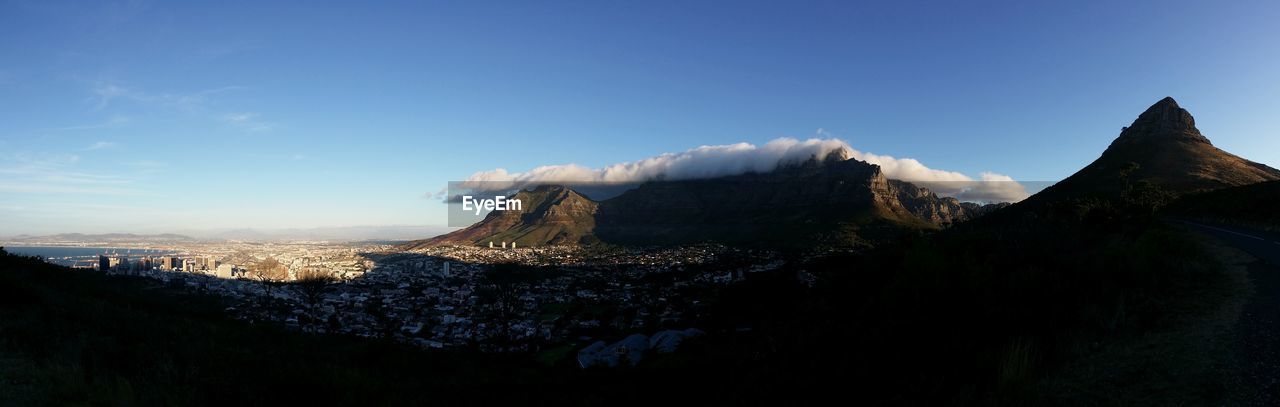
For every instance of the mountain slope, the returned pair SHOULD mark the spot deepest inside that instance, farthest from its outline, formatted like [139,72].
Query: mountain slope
[831,201]
[1252,205]
[1164,148]
[552,215]
[834,201]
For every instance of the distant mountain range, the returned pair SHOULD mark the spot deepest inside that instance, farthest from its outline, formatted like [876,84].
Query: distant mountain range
[825,201]
[839,201]
[334,233]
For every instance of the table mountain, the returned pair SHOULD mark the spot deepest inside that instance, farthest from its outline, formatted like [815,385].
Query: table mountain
[832,201]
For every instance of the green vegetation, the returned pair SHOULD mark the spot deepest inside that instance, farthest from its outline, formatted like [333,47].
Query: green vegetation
[1250,206]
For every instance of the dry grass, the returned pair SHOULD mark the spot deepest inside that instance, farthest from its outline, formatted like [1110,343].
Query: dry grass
[1188,363]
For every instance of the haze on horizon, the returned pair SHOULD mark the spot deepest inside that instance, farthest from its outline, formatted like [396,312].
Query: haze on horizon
[156,117]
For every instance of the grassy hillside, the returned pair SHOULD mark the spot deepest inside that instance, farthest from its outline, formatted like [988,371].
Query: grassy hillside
[1003,311]
[1256,206]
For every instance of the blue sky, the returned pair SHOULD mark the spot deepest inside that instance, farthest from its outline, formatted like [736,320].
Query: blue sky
[151,116]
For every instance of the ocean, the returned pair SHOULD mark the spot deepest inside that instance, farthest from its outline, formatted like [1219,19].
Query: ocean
[72,256]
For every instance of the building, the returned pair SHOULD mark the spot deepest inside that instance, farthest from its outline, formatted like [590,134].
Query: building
[170,263]
[104,263]
[229,271]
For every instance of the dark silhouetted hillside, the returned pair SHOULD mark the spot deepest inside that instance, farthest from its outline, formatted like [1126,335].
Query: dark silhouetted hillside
[1256,206]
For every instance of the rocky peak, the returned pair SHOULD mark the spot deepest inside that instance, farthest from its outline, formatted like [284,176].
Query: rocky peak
[833,157]
[1163,121]
[1162,147]
[840,154]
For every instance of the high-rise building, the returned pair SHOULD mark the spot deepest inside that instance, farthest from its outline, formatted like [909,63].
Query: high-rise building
[104,263]
[227,270]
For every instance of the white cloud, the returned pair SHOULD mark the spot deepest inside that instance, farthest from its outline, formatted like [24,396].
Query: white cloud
[989,187]
[247,120]
[441,194]
[994,187]
[740,158]
[111,122]
[57,174]
[201,103]
[239,117]
[101,145]
[103,94]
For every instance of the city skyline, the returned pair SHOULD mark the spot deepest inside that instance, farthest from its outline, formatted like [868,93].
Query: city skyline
[132,117]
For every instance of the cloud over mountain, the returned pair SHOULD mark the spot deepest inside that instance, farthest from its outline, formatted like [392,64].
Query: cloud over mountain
[740,158]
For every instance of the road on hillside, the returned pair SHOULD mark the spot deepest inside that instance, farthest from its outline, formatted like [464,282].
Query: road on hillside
[1263,245]
[1258,330]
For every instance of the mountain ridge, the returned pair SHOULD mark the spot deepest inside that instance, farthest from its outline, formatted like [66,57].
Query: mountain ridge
[830,200]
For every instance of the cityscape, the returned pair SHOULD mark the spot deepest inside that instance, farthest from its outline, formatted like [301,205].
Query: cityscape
[439,297]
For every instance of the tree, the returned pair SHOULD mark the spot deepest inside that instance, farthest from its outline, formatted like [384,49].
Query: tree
[312,283]
[380,310]
[1145,198]
[501,287]
[270,272]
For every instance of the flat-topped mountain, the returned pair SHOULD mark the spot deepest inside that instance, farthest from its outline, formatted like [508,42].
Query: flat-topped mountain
[832,201]
[839,201]
[1162,147]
